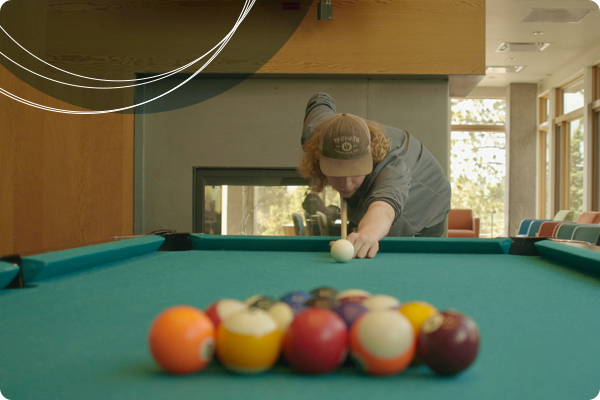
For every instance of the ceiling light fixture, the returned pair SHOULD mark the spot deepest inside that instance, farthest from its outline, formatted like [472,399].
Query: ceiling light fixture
[504,69]
[528,47]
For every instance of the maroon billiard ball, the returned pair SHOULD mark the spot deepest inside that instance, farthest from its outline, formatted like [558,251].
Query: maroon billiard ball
[316,342]
[448,342]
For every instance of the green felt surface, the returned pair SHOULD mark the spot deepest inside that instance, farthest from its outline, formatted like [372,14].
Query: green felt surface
[83,334]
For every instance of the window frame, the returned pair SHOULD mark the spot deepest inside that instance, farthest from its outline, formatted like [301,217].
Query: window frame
[543,129]
[595,137]
[562,124]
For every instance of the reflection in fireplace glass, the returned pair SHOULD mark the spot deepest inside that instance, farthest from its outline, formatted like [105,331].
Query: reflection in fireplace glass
[262,210]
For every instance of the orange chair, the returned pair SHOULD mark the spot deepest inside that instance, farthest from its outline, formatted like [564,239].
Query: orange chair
[549,228]
[462,224]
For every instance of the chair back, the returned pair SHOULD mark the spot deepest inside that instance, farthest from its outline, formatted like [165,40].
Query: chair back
[565,231]
[564,215]
[589,217]
[588,233]
[322,221]
[460,219]
[298,224]
[309,225]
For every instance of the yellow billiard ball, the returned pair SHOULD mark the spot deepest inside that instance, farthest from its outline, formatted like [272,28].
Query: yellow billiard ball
[249,341]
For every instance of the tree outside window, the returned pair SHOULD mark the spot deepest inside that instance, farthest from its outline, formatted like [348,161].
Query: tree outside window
[478,161]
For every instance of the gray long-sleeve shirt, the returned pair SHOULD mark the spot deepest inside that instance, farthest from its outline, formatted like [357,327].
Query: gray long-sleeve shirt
[409,178]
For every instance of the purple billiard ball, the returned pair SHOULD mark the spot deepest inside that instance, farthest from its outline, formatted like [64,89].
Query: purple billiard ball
[448,342]
[350,311]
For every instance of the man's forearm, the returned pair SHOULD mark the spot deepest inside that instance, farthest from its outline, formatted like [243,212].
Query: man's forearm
[377,221]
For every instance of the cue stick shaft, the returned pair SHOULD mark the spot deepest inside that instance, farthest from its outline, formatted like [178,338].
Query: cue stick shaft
[344,217]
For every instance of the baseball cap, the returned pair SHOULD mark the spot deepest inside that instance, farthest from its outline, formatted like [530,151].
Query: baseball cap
[345,144]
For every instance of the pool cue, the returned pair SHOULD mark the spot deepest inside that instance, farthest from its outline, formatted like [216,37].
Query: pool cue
[344,217]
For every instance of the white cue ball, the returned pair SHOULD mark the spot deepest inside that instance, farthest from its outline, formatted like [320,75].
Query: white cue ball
[342,250]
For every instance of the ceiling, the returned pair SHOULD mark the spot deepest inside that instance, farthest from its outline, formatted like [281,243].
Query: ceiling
[504,23]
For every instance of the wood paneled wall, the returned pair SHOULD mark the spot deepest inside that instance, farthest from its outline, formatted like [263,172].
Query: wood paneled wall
[64,179]
[68,179]
[443,37]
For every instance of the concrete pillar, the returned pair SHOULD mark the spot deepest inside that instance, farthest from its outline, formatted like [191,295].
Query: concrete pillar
[521,153]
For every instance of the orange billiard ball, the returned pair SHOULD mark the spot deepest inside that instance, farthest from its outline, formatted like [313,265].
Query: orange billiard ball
[182,340]
[382,342]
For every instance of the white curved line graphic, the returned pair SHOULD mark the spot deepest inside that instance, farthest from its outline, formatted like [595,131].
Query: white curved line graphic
[246,9]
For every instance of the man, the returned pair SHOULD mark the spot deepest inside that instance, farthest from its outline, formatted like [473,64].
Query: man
[392,184]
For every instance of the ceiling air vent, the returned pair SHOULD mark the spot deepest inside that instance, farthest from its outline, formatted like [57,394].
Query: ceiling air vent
[556,15]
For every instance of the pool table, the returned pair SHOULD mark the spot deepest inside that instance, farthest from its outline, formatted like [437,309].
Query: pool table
[77,329]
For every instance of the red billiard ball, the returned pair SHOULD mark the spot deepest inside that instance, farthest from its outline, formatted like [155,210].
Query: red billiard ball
[448,342]
[316,342]
[382,342]
[182,340]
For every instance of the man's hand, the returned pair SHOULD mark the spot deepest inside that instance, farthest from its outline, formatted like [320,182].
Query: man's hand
[364,246]
[374,226]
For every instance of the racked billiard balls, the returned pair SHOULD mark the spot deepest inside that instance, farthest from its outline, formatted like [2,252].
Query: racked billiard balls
[263,303]
[297,297]
[350,311]
[322,302]
[448,342]
[381,302]
[324,291]
[352,295]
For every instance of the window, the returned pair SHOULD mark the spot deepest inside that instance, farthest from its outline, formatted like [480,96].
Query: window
[478,161]
[572,96]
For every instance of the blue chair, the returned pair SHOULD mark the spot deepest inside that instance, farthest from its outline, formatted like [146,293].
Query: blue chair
[524,227]
[534,227]
[530,227]
[587,233]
